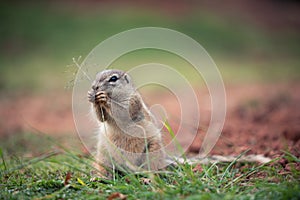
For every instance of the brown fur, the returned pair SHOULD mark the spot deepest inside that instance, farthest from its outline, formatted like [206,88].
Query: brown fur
[128,138]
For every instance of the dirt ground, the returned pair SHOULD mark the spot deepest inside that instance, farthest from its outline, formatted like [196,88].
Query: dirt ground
[264,118]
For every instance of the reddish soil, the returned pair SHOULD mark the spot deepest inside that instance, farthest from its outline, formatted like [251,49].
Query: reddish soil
[262,118]
[51,114]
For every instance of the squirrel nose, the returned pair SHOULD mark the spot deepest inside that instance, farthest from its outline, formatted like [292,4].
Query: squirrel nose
[95,87]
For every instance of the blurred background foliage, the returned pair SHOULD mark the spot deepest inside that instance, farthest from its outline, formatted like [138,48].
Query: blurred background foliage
[249,40]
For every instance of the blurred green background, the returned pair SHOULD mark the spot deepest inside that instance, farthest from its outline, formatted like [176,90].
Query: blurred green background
[250,41]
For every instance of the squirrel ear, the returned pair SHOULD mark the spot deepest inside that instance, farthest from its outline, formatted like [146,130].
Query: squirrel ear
[126,78]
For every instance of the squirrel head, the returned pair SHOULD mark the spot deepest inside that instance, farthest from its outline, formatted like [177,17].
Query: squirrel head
[113,82]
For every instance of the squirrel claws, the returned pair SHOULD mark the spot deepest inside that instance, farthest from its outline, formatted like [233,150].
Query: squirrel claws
[101,97]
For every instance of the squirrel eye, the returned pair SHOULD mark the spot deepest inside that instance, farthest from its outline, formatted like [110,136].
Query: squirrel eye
[113,79]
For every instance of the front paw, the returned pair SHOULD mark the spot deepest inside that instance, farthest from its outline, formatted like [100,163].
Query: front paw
[101,98]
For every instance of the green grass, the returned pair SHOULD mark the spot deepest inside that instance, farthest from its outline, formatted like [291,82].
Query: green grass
[63,174]
[44,178]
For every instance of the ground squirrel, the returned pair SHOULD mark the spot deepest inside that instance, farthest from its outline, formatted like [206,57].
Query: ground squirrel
[128,138]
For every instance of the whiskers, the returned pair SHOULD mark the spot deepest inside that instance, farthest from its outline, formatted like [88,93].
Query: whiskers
[123,103]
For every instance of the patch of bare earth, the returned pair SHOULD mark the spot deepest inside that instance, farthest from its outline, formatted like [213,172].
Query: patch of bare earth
[49,113]
[264,119]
